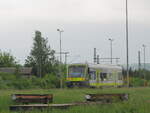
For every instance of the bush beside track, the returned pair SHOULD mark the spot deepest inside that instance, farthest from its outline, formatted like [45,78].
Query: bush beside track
[11,81]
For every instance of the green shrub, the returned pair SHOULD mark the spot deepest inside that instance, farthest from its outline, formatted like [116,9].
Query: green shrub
[8,81]
[137,82]
[50,81]
[3,85]
[23,83]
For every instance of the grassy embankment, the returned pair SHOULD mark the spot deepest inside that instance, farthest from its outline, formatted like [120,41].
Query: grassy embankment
[139,101]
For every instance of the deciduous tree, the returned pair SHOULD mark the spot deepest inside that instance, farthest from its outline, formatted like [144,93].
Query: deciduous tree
[41,57]
[7,60]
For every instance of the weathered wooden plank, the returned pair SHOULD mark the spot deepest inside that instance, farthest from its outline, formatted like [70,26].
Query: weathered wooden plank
[51,106]
[106,97]
[32,98]
[39,106]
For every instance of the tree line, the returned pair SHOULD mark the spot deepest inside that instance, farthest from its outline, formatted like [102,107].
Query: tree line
[45,67]
[41,58]
[138,77]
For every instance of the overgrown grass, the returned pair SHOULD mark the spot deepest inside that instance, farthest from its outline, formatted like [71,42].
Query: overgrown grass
[139,100]
[12,81]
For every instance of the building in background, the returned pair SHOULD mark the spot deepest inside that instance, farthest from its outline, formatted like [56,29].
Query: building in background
[23,71]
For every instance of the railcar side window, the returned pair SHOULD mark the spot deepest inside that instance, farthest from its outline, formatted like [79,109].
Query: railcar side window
[119,76]
[92,75]
[110,76]
[103,76]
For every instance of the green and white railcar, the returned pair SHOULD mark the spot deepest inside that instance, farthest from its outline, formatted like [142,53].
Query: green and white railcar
[94,75]
[105,75]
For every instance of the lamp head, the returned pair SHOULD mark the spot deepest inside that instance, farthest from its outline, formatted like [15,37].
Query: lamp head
[111,39]
[60,30]
[144,45]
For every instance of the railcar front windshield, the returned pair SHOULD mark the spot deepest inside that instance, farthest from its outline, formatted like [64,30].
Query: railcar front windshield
[76,71]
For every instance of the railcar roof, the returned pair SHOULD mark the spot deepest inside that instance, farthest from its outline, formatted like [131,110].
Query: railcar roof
[77,64]
[106,66]
[98,66]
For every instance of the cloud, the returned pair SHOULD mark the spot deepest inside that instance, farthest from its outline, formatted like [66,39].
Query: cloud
[73,10]
[87,24]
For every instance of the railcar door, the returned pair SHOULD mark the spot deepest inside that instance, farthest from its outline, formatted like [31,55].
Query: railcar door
[103,79]
[94,79]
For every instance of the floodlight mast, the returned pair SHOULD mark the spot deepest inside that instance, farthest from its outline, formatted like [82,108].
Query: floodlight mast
[111,40]
[127,45]
[61,82]
[144,46]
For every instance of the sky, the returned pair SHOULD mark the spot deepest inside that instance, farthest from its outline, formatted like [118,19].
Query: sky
[87,24]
